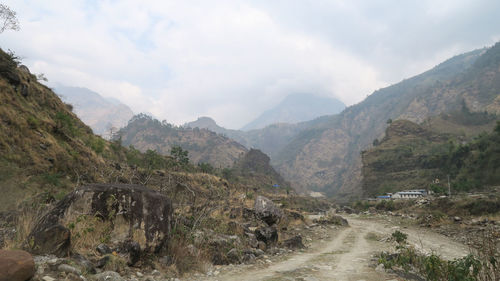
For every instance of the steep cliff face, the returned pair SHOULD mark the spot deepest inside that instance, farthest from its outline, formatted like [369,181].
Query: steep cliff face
[326,156]
[204,146]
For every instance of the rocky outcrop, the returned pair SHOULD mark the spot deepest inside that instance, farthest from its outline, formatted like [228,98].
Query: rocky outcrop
[135,211]
[16,266]
[267,234]
[267,211]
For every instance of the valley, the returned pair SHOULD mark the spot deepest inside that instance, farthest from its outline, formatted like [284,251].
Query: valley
[399,184]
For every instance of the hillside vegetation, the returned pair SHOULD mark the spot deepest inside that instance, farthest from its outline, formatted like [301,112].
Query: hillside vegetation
[144,132]
[413,156]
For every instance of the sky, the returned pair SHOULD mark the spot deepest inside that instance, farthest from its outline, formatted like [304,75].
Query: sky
[232,60]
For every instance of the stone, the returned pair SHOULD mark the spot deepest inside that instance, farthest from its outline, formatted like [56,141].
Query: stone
[268,234]
[103,261]
[68,269]
[48,278]
[108,276]
[124,205]
[294,242]
[53,239]
[380,268]
[247,258]
[267,211]
[87,266]
[132,249]
[16,265]
[234,256]
[103,249]
[74,277]
[261,246]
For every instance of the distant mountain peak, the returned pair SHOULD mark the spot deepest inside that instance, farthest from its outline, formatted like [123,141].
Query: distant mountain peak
[295,108]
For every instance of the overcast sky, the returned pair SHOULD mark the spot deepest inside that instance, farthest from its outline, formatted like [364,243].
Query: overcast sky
[232,60]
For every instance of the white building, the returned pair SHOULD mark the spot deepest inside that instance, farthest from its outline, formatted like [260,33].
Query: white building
[410,194]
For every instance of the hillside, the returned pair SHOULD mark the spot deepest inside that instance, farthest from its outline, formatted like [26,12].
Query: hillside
[413,156]
[254,170]
[44,147]
[101,114]
[270,139]
[296,108]
[326,156]
[204,146]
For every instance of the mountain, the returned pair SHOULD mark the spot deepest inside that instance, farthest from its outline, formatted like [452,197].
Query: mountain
[413,156]
[100,113]
[326,156]
[270,139]
[254,170]
[204,146]
[297,108]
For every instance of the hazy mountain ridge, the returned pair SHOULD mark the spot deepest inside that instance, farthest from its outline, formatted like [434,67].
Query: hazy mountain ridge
[270,139]
[98,112]
[296,108]
[204,146]
[326,156]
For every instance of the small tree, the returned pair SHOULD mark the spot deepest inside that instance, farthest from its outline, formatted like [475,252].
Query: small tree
[180,155]
[8,19]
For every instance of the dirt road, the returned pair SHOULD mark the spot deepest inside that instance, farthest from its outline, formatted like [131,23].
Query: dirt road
[346,256]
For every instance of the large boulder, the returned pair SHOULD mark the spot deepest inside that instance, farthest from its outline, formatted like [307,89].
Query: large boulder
[136,213]
[16,266]
[267,211]
[267,234]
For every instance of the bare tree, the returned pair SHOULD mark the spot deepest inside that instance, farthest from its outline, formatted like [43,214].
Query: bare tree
[8,19]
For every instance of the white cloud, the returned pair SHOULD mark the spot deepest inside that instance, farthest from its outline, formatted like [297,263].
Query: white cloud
[233,59]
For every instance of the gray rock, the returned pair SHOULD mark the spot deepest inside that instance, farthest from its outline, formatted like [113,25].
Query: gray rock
[234,256]
[86,265]
[103,249]
[294,242]
[108,276]
[48,278]
[267,211]
[68,269]
[51,239]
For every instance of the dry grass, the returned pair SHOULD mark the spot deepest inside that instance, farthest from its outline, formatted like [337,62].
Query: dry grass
[87,232]
[24,223]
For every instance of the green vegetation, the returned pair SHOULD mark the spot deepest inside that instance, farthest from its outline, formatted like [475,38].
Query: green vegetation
[180,155]
[483,266]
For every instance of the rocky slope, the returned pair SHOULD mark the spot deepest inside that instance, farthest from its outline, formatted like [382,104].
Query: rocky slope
[100,113]
[326,156]
[204,146]
[296,108]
